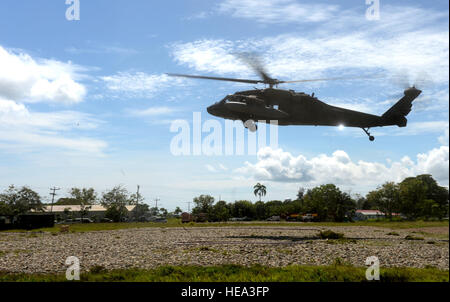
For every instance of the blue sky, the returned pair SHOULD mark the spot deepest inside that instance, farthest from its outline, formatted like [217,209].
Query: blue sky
[86,103]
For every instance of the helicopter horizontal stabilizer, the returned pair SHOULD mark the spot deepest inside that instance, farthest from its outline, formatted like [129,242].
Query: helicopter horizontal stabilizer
[402,108]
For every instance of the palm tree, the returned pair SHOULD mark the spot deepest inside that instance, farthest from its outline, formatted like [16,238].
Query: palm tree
[260,190]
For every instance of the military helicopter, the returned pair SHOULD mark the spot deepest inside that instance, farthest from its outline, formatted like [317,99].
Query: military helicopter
[288,107]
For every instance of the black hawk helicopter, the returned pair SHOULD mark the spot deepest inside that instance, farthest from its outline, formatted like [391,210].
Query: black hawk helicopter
[298,108]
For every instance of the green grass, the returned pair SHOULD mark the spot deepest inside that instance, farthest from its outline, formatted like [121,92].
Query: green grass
[87,227]
[234,273]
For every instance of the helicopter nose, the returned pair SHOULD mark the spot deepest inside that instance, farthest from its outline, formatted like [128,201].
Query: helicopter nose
[212,109]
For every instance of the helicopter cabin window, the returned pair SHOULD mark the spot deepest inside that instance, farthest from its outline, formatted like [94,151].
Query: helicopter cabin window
[275,107]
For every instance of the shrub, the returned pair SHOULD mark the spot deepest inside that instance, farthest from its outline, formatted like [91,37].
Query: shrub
[410,237]
[328,234]
[97,269]
[393,234]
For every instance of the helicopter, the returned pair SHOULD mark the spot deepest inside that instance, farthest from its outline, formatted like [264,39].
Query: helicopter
[288,107]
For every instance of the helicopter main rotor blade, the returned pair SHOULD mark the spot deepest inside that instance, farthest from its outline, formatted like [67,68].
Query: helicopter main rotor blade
[214,78]
[253,61]
[333,79]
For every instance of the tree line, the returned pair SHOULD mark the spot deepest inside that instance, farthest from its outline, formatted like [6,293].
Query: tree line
[417,197]
[15,201]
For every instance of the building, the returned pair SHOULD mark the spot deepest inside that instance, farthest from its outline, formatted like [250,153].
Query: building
[96,212]
[370,214]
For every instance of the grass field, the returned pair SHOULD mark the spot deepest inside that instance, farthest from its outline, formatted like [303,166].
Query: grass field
[87,227]
[234,273]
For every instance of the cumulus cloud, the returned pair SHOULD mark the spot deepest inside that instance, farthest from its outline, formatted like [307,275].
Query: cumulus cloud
[443,139]
[280,166]
[25,79]
[152,111]
[291,55]
[20,127]
[277,11]
[138,84]
[405,41]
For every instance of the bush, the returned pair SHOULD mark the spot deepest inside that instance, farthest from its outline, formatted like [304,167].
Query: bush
[328,234]
[393,234]
[410,237]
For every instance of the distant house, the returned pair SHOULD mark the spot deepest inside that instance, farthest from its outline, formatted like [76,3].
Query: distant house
[370,214]
[96,212]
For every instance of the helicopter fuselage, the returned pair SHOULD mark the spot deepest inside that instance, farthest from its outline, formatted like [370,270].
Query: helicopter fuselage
[288,107]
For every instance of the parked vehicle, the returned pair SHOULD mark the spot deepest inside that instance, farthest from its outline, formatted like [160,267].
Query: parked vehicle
[274,218]
[83,220]
[157,219]
[309,217]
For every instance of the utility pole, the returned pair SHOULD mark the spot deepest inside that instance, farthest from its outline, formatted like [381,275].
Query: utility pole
[189,206]
[137,195]
[54,189]
[156,202]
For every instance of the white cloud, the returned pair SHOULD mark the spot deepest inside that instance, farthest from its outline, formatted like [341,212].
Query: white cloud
[210,168]
[406,40]
[278,165]
[277,11]
[21,128]
[102,50]
[152,111]
[223,167]
[25,79]
[443,139]
[139,84]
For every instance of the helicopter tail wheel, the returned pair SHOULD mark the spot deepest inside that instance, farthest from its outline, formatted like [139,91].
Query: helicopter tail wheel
[371,137]
[251,125]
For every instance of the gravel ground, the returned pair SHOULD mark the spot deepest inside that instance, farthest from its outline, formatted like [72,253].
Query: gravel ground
[273,246]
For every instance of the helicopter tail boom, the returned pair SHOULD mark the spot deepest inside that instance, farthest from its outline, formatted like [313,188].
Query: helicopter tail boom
[398,112]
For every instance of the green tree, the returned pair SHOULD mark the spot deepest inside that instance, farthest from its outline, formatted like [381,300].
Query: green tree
[260,210]
[177,211]
[85,198]
[422,197]
[386,198]
[14,201]
[243,208]
[65,201]
[329,203]
[259,190]
[203,204]
[163,212]
[412,196]
[115,202]
[220,211]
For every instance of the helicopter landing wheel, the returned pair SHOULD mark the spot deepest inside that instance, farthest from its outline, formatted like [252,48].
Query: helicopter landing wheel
[251,125]
[371,137]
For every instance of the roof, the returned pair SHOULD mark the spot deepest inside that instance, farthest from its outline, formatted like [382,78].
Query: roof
[77,208]
[369,212]
[374,212]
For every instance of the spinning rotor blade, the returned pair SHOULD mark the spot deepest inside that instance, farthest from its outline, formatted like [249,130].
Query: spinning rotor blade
[254,63]
[329,79]
[214,78]
[406,79]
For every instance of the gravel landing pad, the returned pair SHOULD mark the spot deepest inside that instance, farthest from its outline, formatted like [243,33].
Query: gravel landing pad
[272,246]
